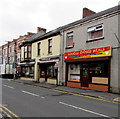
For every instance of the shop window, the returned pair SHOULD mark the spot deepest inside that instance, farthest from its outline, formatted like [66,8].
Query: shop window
[27,52]
[42,74]
[99,70]
[49,72]
[52,71]
[50,46]
[95,32]
[74,72]
[69,39]
[28,71]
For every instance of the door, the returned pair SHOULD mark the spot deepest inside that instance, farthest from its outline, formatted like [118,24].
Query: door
[43,73]
[84,75]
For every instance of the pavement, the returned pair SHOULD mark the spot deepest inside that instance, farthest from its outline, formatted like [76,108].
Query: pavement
[91,93]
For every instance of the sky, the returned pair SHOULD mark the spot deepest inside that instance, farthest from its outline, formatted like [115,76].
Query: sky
[17,17]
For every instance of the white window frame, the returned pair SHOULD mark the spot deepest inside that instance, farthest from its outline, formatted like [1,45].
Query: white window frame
[69,34]
[94,28]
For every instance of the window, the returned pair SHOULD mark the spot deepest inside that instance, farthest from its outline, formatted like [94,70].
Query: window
[39,48]
[74,72]
[52,72]
[27,52]
[50,46]
[28,71]
[95,32]
[18,45]
[0,60]
[69,39]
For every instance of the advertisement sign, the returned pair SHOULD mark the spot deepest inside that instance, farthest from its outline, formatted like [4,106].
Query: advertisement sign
[88,53]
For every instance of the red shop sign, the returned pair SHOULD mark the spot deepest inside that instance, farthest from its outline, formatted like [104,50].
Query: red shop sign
[88,53]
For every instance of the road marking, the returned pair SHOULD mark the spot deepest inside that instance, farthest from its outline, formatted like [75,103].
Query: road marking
[6,111]
[1,116]
[76,94]
[85,110]
[9,86]
[30,93]
[9,79]
[43,97]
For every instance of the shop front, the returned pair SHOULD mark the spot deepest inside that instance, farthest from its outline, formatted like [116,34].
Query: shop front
[49,70]
[88,69]
[27,70]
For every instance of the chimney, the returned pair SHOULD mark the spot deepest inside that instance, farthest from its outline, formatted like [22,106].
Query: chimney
[30,33]
[87,12]
[39,29]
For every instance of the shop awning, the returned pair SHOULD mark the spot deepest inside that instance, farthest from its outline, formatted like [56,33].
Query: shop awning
[49,61]
[27,63]
[49,58]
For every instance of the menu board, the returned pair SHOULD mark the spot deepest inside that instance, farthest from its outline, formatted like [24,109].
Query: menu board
[100,80]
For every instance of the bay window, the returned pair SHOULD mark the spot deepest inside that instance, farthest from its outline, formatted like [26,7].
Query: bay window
[27,52]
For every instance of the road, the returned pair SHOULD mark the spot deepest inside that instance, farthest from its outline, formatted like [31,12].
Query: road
[30,101]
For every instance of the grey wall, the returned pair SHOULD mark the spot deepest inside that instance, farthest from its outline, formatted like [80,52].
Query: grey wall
[80,37]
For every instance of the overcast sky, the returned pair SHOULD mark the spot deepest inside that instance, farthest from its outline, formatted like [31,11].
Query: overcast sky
[21,16]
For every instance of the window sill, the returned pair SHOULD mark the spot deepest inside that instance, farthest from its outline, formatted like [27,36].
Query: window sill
[77,81]
[69,47]
[27,58]
[95,39]
[49,53]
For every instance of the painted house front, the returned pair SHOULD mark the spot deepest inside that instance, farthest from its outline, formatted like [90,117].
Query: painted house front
[46,53]
[91,52]
[43,63]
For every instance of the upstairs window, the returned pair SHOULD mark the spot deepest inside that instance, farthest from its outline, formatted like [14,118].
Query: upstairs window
[39,45]
[50,46]
[27,52]
[95,32]
[69,39]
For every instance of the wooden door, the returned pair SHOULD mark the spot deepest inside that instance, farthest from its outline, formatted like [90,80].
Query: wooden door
[84,75]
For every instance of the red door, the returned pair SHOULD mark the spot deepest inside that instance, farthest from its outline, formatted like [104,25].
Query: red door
[84,75]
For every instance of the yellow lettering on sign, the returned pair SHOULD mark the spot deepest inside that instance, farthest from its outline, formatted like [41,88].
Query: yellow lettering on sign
[85,51]
[73,53]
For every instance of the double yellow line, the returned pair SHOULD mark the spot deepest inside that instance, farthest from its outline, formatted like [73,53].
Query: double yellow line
[72,93]
[8,113]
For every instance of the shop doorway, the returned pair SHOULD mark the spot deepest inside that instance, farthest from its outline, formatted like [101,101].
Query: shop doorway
[43,73]
[84,75]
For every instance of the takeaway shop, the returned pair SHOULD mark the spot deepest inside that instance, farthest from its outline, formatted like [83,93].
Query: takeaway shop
[89,68]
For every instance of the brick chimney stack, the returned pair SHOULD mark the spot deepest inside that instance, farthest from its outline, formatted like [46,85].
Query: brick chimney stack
[39,29]
[87,12]
[30,33]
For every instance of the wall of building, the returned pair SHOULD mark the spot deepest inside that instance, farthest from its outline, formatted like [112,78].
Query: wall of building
[44,47]
[80,37]
[44,52]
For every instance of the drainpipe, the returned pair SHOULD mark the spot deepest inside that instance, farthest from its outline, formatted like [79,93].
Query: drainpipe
[62,57]
[117,37]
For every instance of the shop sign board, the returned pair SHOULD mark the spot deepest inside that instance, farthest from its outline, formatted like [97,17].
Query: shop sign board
[88,53]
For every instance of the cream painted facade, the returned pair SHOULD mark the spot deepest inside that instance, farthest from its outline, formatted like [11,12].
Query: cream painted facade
[44,48]
[44,54]
[44,43]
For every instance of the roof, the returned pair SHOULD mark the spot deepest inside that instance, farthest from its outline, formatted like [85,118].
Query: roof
[38,37]
[99,14]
